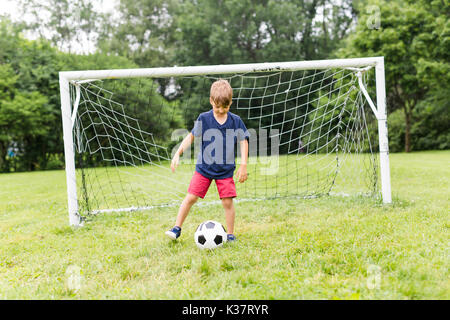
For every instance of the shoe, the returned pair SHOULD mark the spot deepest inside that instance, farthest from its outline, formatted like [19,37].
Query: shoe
[231,237]
[174,233]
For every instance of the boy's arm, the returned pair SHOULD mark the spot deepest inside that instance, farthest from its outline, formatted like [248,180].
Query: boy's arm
[242,171]
[183,146]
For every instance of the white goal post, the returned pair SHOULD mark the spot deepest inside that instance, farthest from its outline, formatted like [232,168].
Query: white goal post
[69,104]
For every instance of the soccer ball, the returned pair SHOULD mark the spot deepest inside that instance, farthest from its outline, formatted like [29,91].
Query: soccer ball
[210,235]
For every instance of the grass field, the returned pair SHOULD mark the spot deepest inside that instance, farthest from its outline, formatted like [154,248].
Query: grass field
[323,248]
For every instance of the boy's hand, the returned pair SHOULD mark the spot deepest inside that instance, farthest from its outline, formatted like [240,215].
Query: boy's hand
[175,162]
[242,173]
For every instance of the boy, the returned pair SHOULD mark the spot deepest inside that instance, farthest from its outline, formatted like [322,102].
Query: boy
[219,130]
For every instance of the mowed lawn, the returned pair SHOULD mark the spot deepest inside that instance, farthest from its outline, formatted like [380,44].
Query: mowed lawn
[323,248]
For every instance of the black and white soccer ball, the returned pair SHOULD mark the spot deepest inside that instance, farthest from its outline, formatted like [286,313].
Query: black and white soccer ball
[210,235]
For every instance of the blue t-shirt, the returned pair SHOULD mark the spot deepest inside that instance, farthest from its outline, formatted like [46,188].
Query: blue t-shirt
[216,160]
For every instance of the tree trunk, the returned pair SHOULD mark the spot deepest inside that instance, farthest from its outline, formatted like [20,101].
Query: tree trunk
[408,120]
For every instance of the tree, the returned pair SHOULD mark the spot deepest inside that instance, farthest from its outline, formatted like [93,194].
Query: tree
[142,32]
[194,32]
[24,118]
[413,38]
[212,32]
[68,24]
[237,31]
[30,109]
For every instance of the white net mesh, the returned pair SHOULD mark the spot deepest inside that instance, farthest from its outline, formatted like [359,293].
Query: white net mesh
[311,135]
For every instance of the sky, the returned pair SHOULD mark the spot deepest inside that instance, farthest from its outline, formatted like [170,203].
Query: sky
[8,7]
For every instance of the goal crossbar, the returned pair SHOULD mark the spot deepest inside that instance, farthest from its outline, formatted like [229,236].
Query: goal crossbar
[219,69]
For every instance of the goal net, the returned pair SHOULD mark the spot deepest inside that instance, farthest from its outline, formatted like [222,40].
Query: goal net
[314,131]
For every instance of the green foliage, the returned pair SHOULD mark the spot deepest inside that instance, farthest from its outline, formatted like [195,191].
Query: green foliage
[25,117]
[413,36]
[136,108]
[396,124]
[70,25]
[144,33]
[30,111]
[431,131]
[232,31]
[160,33]
[35,67]
[414,39]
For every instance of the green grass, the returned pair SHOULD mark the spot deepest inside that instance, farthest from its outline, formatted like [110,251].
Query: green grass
[323,248]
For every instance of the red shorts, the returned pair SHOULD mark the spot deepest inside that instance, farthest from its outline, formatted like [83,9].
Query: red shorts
[199,186]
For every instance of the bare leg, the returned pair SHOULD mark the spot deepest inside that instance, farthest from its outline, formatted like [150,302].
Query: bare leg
[230,213]
[185,207]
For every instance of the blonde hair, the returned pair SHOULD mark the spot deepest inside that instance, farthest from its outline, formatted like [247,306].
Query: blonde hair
[221,93]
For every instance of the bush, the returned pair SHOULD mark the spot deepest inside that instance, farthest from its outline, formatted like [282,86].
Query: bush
[396,131]
[431,130]
[55,162]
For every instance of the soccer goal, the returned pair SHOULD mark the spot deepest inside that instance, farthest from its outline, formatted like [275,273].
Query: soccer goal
[316,128]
